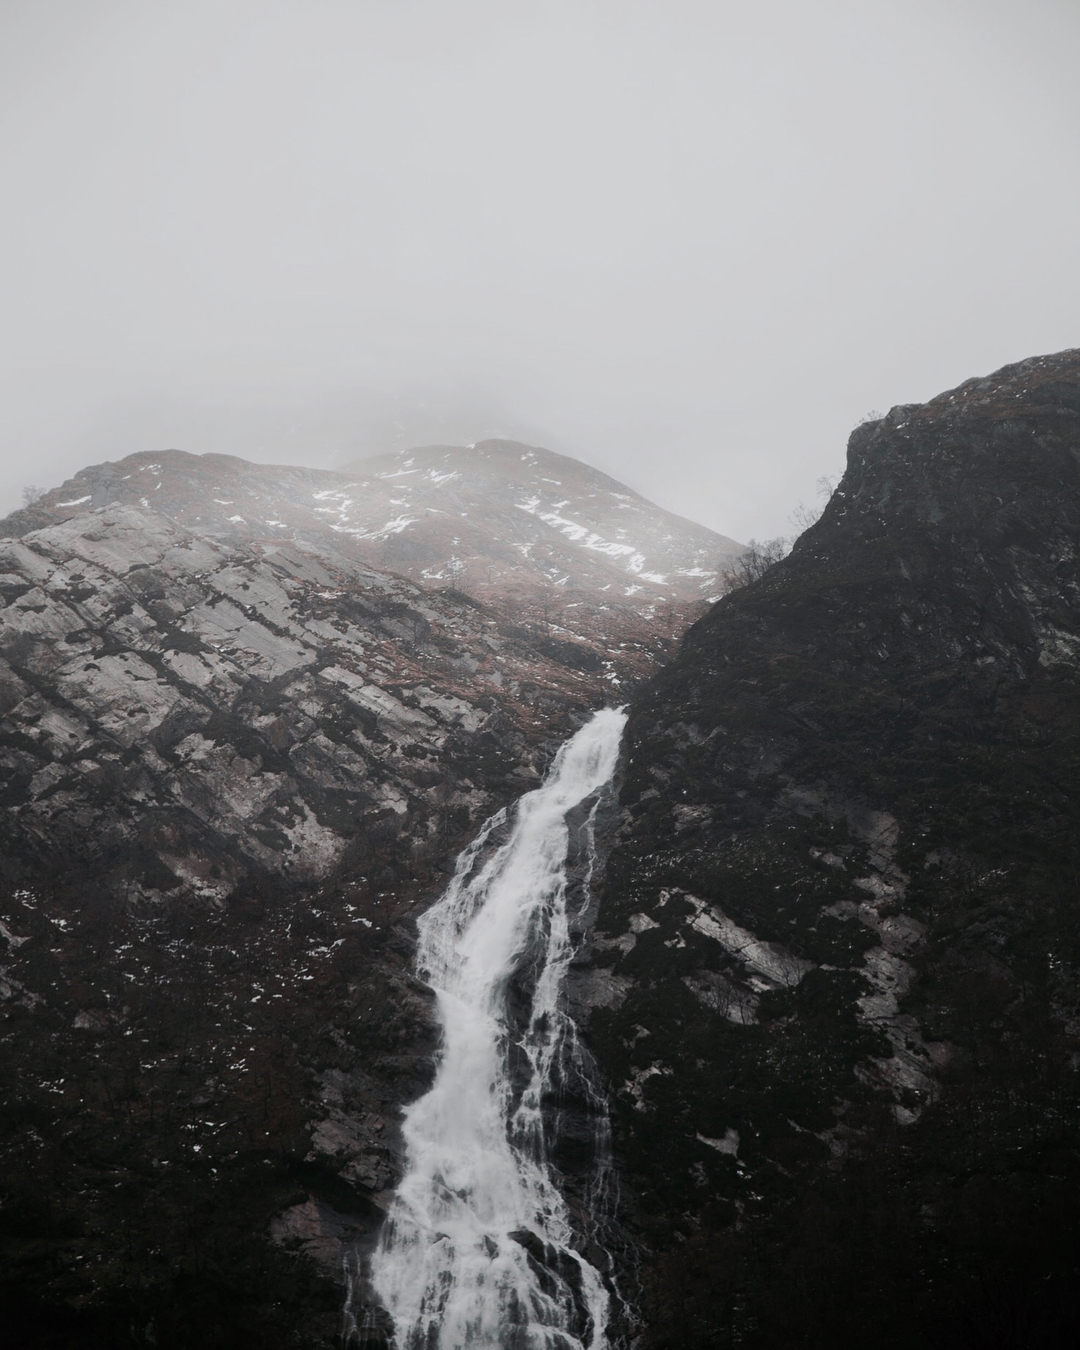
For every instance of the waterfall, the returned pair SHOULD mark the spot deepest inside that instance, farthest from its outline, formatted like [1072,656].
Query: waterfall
[478,1249]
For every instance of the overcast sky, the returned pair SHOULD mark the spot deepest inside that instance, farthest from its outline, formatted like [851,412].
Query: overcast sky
[691,241]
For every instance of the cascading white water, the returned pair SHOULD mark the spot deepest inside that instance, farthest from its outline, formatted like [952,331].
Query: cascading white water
[477,1250]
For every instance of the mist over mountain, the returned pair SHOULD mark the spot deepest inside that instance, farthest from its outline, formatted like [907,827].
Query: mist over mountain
[667,239]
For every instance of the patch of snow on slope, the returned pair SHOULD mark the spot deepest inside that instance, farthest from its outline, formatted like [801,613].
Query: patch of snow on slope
[391,527]
[578,534]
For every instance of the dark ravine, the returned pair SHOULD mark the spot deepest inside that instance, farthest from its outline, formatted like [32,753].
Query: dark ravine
[834,984]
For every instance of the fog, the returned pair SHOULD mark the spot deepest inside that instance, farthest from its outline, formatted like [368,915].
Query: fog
[690,241]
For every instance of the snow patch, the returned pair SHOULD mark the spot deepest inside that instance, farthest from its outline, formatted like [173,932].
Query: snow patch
[729,1144]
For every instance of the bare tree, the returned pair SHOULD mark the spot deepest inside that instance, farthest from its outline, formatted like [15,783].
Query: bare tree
[754,562]
[760,555]
[31,493]
[804,516]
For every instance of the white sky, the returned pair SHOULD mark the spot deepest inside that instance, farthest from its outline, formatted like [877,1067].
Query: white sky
[691,241]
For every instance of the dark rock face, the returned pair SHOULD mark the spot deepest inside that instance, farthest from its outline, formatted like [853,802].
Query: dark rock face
[835,981]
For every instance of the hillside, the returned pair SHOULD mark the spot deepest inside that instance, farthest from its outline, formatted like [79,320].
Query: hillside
[830,994]
[237,758]
[504,521]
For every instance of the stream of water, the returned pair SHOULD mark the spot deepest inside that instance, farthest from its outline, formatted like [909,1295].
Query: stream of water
[478,1249]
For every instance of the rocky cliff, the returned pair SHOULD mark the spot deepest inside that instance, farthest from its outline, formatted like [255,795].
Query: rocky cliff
[835,981]
[193,713]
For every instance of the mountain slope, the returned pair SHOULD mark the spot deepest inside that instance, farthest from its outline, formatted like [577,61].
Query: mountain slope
[835,980]
[498,518]
[231,772]
[253,710]
[507,514]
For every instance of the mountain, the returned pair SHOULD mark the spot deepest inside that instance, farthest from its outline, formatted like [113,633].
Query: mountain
[217,698]
[507,515]
[237,759]
[834,983]
[501,520]
[830,993]
[253,710]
